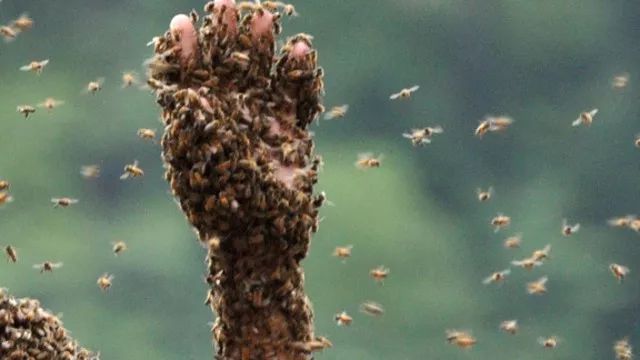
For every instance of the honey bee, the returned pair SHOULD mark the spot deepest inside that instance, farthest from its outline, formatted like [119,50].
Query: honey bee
[568,230]
[623,350]
[35,66]
[497,277]
[240,58]
[5,198]
[63,202]
[538,287]
[119,247]
[23,22]
[47,266]
[343,251]
[484,195]
[336,112]
[371,308]
[542,254]
[368,161]
[510,326]
[90,171]
[619,271]
[147,134]
[482,128]
[422,136]
[289,10]
[500,222]
[50,103]
[585,118]
[343,319]
[132,170]
[461,339]
[26,110]
[636,141]
[621,222]
[104,281]
[527,263]
[4,185]
[404,93]
[513,242]
[94,86]
[620,81]
[379,274]
[8,33]
[549,343]
[12,254]
[129,78]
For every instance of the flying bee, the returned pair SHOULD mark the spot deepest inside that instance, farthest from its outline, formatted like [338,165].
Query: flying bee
[585,118]
[26,110]
[422,136]
[538,287]
[289,10]
[4,185]
[622,221]
[129,78]
[510,326]
[343,319]
[482,128]
[620,81]
[623,349]
[12,254]
[461,339]
[568,230]
[368,161]
[119,247]
[63,202]
[90,171]
[336,112]
[379,274]
[5,198]
[513,242]
[50,104]
[497,277]
[500,222]
[343,252]
[8,33]
[404,93]
[23,22]
[619,271]
[484,195]
[549,343]
[94,86]
[541,254]
[35,66]
[147,134]
[132,170]
[47,266]
[104,281]
[371,308]
[527,264]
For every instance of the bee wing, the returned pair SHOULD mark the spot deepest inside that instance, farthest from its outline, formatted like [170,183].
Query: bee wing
[44,63]
[329,115]
[518,262]
[543,280]
[394,96]
[506,272]
[407,135]
[437,129]
[593,112]
[124,176]
[25,68]
[414,88]
[575,227]
[73,201]
[576,122]
[488,280]
[56,265]
[37,266]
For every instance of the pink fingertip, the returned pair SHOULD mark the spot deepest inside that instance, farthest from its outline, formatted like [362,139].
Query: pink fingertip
[300,49]
[182,26]
[229,18]
[262,24]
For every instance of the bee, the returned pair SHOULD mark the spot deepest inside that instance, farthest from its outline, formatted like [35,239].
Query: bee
[336,112]
[527,263]
[147,134]
[461,339]
[23,22]
[636,141]
[240,58]
[620,81]
[538,287]
[119,247]
[4,185]
[513,242]
[50,103]
[482,128]
[549,343]
[8,33]
[484,195]
[90,171]
[26,110]
[621,222]
[94,86]
[63,202]
[104,281]
[5,198]
[619,271]
[500,222]
[318,344]
[129,78]
[35,66]
[510,326]
[132,170]
[499,123]
[404,93]
[585,118]
[497,277]
[343,319]
[368,161]
[12,254]
[289,10]
[379,274]
[343,251]
[47,266]
[542,254]
[623,350]
[568,230]
[371,308]
[422,136]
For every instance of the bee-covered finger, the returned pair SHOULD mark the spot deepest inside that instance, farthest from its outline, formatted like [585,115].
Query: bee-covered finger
[184,34]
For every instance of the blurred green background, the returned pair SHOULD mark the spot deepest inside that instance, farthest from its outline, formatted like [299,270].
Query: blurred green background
[541,62]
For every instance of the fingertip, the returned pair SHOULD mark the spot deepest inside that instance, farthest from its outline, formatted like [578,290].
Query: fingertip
[262,23]
[183,30]
[229,18]
[300,49]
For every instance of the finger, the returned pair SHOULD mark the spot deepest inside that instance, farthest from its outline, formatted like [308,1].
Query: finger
[184,32]
[225,15]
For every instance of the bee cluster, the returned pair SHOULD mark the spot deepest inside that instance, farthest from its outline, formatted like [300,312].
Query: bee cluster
[239,158]
[27,331]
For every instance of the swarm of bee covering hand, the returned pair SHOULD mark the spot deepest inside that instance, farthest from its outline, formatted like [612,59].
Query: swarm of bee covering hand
[27,331]
[239,159]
